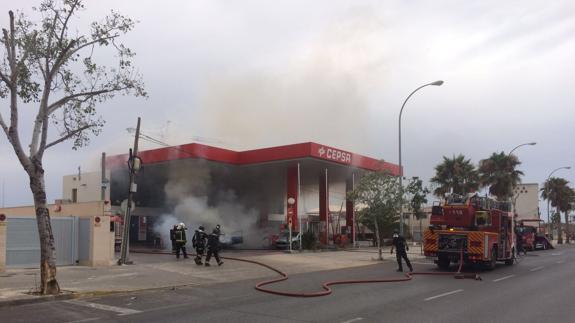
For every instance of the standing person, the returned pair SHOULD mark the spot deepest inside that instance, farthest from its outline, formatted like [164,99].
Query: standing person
[519,246]
[199,243]
[401,249]
[214,246]
[173,238]
[180,237]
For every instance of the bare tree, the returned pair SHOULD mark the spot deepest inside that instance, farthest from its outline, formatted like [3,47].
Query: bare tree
[49,67]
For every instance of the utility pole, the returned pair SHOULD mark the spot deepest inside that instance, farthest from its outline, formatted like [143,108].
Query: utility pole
[3,192]
[104,182]
[133,167]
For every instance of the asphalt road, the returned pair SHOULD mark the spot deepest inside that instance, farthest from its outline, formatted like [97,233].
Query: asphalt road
[541,288]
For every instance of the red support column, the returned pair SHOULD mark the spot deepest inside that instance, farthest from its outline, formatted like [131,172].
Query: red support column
[323,207]
[349,208]
[292,193]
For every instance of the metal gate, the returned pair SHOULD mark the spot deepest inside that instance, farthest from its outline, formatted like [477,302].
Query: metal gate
[84,241]
[23,246]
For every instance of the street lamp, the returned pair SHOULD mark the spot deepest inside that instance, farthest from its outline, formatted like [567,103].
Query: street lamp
[548,202]
[291,202]
[527,144]
[436,83]
[515,196]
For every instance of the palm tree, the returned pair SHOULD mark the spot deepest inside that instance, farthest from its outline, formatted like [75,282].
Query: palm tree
[568,206]
[500,174]
[561,196]
[455,175]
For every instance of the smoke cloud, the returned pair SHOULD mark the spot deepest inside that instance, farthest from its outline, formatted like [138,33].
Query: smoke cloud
[195,201]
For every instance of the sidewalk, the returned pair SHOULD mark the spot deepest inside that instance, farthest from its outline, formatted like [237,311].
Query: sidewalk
[151,271]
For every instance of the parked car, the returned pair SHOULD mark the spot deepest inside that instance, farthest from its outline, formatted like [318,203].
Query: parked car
[282,241]
[229,240]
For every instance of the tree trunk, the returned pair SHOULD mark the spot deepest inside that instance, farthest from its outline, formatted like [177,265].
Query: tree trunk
[378,240]
[559,235]
[567,231]
[49,284]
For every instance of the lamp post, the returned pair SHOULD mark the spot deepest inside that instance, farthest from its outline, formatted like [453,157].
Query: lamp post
[548,202]
[291,202]
[514,200]
[400,199]
[527,144]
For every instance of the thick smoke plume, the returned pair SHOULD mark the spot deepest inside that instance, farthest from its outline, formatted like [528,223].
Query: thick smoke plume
[195,201]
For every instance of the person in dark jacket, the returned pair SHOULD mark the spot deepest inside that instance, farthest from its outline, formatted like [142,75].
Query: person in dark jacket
[214,247]
[199,243]
[401,249]
[180,237]
[173,238]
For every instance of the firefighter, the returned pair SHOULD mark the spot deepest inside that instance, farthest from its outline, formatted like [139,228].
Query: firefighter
[214,246]
[199,243]
[519,241]
[180,238]
[173,238]
[401,249]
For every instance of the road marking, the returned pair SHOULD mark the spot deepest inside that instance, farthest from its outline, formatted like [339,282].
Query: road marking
[444,294]
[353,320]
[502,278]
[537,268]
[121,310]
[423,263]
[85,320]
[561,261]
[556,254]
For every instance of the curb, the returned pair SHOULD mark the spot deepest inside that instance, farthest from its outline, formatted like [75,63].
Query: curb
[38,299]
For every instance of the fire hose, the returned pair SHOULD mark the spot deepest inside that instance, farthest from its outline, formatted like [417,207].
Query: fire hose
[327,290]
[326,285]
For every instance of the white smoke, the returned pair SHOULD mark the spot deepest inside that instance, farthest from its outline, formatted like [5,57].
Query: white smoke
[162,227]
[235,219]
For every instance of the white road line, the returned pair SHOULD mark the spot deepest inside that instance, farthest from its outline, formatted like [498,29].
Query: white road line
[537,268]
[353,320]
[561,261]
[444,294]
[556,254]
[85,320]
[120,310]
[502,278]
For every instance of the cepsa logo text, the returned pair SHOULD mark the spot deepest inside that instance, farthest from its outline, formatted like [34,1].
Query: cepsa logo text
[334,154]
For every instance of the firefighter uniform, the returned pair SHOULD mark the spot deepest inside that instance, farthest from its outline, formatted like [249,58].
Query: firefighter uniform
[401,248]
[214,246]
[173,238]
[180,240]
[199,244]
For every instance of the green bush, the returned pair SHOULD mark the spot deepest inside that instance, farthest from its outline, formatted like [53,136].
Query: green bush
[309,240]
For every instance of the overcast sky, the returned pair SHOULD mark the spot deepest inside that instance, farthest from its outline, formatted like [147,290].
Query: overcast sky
[250,74]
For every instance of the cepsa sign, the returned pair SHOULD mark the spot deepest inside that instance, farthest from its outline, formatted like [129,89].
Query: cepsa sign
[334,154]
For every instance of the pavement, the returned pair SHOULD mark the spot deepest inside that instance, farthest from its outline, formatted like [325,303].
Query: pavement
[158,270]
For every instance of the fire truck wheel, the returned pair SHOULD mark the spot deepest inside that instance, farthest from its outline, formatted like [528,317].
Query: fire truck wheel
[509,262]
[443,263]
[491,264]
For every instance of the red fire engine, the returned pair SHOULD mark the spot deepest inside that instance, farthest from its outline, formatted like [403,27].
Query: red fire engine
[479,227]
[533,237]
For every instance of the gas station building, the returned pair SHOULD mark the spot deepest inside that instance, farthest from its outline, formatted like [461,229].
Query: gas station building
[305,183]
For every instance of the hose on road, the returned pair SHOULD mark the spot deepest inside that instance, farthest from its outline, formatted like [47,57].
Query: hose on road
[327,290]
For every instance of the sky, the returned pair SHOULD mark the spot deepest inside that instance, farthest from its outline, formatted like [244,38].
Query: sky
[251,74]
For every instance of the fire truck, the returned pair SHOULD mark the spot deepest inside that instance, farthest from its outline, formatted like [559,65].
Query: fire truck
[478,228]
[533,237]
